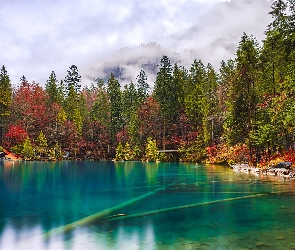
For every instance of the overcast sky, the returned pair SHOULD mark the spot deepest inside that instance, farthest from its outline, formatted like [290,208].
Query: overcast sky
[40,36]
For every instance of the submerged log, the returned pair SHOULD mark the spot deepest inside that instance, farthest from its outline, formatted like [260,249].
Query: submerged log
[165,210]
[102,214]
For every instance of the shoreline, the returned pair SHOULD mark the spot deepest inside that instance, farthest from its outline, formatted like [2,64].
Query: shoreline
[284,172]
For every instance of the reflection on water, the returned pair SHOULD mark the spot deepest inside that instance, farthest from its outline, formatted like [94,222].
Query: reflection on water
[38,199]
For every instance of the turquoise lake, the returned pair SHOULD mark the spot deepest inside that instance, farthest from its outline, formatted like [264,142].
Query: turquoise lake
[135,205]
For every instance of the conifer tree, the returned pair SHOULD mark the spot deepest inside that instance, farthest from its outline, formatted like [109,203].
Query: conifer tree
[120,152]
[130,102]
[194,92]
[5,99]
[142,87]
[151,150]
[52,88]
[165,93]
[243,95]
[73,78]
[115,98]
[41,144]
[27,149]
[101,108]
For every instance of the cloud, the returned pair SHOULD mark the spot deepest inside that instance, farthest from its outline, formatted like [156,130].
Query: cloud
[40,36]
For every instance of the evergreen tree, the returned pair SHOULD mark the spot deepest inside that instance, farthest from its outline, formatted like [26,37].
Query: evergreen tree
[27,149]
[115,98]
[71,102]
[73,79]
[151,150]
[142,87]
[165,93]
[41,144]
[120,155]
[101,108]
[5,100]
[275,52]
[128,153]
[130,102]
[52,88]
[194,93]
[77,120]
[179,79]
[61,89]
[243,96]
[209,105]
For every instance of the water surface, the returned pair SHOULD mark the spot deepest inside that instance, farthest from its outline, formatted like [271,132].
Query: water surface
[36,198]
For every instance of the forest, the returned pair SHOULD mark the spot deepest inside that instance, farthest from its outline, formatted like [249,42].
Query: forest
[243,112]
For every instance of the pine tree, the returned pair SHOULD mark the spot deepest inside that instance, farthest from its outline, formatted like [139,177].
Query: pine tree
[73,79]
[151,150]
[120,155]
[101,108]
[130,102]
[71,102]
[142,87]
[243,95]
[27,149]
[115,98]
[165,93]
[41,144]
[5,100]
[52,89]
[179,79]
[209,105]
[194,93]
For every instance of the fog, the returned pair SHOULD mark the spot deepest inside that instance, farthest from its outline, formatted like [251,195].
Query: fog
[38,37]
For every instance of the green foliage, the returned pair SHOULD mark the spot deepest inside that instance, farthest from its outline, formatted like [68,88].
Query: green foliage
[133,129]
[137,152]
[52,89]
[165,91]
[151,150]
[73,79]
[101,108]
[71,102]
[5,100]
[142,87]
[130,102]
[128,153]
[27,150]
[77,120]
[5,93]
[195,152]
[193,92]
[41,145]
[120,154]
[115,98]
[242,98]
[61,117]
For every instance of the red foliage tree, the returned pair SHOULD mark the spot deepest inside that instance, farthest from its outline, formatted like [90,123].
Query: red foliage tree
[97,137]
[123,136]
[29,108]
[150,121]
[15,135]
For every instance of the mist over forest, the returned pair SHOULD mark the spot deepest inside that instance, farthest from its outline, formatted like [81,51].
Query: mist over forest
[41,37]
[214,37]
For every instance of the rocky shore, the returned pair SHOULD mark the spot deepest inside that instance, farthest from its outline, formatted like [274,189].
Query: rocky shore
[282,169]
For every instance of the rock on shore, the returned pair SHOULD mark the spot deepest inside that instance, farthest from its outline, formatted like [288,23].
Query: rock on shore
[283,169]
